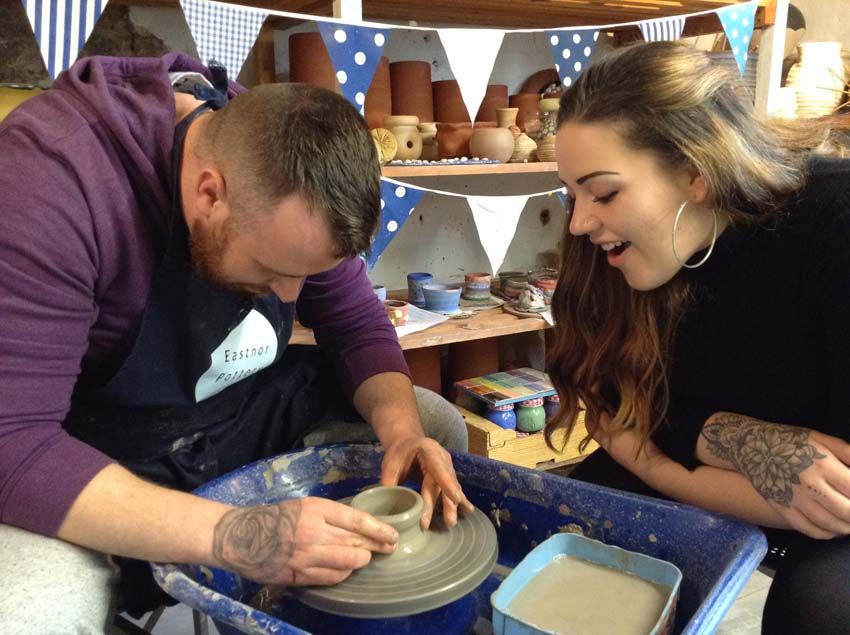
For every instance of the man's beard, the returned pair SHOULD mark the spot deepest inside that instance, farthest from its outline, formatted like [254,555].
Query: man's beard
[207,248]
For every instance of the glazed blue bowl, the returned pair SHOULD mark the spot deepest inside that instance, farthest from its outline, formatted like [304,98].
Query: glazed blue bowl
[442,298]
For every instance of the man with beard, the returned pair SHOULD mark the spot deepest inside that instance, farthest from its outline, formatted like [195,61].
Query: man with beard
[154,251]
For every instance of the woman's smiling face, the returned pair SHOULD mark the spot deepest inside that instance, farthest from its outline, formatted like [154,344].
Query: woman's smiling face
[625,202]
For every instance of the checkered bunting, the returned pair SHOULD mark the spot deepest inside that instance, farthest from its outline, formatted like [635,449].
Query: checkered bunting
[355,52]
[223,32]
[738,21]
[397,203]
[61,29]
[571,50]
[662,29]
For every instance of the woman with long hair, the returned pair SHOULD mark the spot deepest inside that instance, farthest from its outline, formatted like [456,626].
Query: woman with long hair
[702,309]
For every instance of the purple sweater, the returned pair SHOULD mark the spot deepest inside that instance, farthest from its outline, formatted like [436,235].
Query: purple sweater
[85,176]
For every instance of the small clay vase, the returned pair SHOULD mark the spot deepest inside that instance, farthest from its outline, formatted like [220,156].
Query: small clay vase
[506,118]
[548,117]
[448,102]
[415,281]
[476,286]
[524,149]
[397,311]
[526,103]
[496,96]
[546,149]
[379,101]
[406,131]
[428,130]
[309,62]
[492,143]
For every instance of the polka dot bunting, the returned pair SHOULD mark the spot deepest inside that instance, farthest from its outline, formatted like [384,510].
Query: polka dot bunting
[397,203]
[355,52]
[571,50]
[738,21]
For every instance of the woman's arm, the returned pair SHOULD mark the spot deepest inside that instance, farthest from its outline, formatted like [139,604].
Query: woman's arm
[709,487]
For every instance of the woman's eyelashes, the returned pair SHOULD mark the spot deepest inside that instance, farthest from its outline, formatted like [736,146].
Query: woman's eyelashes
[605,199]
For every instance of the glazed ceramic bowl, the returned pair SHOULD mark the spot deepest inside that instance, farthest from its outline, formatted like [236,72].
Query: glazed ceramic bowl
[442,298]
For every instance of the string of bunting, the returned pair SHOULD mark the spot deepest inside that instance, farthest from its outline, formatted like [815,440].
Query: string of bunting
[227,32]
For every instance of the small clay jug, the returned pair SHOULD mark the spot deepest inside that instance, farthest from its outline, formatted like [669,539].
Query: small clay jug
[428,130]
[406,131]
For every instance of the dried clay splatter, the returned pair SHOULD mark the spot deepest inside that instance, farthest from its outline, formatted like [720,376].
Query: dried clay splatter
[571,528]
[334,475]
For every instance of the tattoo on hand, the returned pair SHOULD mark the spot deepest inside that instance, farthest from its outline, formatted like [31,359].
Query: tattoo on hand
[772,456]
[256,540]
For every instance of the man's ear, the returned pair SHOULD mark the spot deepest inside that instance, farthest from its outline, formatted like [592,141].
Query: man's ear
[211,196]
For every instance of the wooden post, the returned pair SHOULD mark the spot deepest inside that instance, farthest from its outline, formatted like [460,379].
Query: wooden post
[348,10]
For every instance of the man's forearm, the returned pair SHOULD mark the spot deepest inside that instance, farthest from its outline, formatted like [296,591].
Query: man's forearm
[121,514]
[386,401]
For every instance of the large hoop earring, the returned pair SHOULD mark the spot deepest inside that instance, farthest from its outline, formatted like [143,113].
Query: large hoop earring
[710,248]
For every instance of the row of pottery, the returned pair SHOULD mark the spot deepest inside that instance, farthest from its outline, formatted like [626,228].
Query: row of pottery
[405,88]
[403,137]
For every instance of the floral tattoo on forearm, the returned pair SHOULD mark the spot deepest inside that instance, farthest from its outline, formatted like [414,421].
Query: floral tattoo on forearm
[772,456]
[255,541]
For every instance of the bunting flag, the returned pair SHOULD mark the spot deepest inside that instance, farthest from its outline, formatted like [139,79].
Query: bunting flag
[571,50]
[738,21]
[355,52]
[662,29]
[223,32]
[496,218]
[397,203]
[562,196]
[472,70]
[61,29]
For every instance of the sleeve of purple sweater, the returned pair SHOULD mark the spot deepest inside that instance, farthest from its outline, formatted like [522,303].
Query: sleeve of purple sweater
[350,323]
[48,265]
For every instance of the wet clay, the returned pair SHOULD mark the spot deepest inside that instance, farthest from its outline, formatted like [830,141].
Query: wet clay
[571,596]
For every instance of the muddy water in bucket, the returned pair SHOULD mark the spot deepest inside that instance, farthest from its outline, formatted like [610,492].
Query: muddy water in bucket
[428,570]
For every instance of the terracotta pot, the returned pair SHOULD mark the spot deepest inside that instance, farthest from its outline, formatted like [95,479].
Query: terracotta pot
[527,105]
[428,130]
[397,311]
[453,139]
[309,62]
[406,132]
[411,86]
[448,103]
[492,143]
[379,101]
[495,97]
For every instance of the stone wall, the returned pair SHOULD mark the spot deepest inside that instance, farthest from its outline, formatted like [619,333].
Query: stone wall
[114,34]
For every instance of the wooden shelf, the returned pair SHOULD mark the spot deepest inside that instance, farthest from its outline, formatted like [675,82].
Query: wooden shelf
[487,323]
[399,171]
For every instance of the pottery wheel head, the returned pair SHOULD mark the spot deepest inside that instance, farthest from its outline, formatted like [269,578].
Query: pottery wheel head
[428,570]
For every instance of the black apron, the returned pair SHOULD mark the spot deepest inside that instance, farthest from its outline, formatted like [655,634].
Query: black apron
[208,386]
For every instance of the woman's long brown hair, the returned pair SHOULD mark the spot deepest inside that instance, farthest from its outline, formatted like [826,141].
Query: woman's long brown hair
[612,343]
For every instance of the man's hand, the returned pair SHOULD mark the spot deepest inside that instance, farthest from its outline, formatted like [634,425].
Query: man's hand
[802,473]
[439,481]
[302,541]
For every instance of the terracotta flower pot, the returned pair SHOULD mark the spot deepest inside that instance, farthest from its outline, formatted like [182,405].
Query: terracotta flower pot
[411,87]
[495,97]
[379,101]
[527,104]
[309,62]
[453,138]
[448,103]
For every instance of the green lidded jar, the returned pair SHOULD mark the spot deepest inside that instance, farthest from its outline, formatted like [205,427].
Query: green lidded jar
[530,415]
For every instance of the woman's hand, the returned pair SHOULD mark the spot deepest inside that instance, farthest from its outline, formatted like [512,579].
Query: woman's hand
[803,474]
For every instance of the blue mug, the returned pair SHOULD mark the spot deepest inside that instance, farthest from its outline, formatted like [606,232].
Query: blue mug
[415,282]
